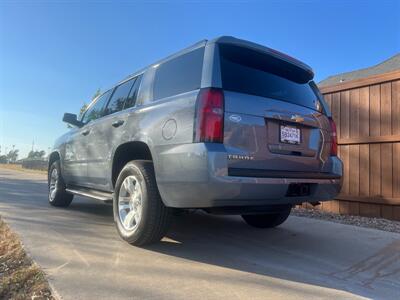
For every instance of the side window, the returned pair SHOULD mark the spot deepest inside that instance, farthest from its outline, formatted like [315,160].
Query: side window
[179,75]
[119,97]
[96,110]
[131,101]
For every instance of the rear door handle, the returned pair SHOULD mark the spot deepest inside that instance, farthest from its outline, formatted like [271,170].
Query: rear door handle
[117,123]
[86,132]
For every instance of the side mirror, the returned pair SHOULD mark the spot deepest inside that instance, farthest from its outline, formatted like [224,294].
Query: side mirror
[72,120]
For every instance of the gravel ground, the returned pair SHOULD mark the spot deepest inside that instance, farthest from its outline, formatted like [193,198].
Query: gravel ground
[376,223]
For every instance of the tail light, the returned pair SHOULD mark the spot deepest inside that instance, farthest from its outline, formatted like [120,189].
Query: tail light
[333,137]
[209,124]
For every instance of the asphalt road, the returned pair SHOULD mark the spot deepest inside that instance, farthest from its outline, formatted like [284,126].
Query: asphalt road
[203,257]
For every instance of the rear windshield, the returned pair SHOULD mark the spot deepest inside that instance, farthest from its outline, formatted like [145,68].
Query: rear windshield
[251,72]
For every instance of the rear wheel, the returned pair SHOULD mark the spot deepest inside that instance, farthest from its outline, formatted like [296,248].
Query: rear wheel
[139,213]
[57,194]
[267,220]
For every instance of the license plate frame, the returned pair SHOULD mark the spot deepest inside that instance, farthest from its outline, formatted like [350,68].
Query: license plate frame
[289,134]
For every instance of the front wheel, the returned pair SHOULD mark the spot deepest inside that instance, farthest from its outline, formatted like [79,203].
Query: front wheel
[57,194]
[139,213]
[267,220]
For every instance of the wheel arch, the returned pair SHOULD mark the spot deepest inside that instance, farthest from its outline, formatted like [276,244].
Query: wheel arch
[55,155]
[126,152]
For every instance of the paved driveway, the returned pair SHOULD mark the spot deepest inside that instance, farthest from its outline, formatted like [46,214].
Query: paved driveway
[204,256]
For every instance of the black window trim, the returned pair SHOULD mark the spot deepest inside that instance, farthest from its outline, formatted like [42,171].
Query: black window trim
[136,78]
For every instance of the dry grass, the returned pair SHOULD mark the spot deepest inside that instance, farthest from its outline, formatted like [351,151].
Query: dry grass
[19,167]
[20,277]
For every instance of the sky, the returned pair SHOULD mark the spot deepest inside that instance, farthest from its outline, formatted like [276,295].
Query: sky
[54,55]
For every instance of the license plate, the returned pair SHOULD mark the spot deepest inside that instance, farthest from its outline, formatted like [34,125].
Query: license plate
[290,134]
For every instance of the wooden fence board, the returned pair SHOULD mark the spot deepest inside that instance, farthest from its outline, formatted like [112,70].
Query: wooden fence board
[364,170]
[396,213]
[375,111]
[354,208]
[344,155]
[387,211]
[364,112]
[396,107]
[370,210]
[354,113]
[354,169]
[386,109]
[345,114]
[335,108]
[344,207]
[328,99]
[396,170]
[386,172]
[375,170]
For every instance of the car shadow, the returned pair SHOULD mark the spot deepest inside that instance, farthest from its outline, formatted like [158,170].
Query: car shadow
[287,252]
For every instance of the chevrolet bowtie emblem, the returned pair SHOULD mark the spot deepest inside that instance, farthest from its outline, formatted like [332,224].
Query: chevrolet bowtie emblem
[297,118]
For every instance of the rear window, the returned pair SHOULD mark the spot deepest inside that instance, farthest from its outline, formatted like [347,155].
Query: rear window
[251,72]
[179,75]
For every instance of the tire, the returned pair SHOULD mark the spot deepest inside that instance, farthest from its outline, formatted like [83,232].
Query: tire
[267,220]
[140,215]
[57,195]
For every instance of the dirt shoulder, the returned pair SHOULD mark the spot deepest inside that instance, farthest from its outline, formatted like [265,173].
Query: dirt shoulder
[18,167]
[20,277]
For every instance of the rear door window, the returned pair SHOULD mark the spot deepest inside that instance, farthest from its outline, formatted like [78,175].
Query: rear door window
[96,110]
[119,97]
[179,75]
[251,72]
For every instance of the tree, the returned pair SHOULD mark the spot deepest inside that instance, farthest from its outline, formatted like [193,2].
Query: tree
[12,155]
[98,92]
[36,154]
[82,110]
[3,159]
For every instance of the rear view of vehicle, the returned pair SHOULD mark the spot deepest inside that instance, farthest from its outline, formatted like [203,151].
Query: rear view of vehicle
[277,129]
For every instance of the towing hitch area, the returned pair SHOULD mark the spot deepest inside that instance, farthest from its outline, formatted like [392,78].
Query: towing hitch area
[298,190]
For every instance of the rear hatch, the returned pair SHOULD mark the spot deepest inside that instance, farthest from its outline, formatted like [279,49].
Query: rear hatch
[275,125]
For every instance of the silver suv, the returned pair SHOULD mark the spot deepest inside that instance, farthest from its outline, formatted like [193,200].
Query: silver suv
[226,125]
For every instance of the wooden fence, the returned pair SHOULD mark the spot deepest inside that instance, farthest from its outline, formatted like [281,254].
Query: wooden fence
[367,115]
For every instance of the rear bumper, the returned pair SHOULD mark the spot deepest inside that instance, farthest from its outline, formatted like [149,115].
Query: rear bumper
[196,176]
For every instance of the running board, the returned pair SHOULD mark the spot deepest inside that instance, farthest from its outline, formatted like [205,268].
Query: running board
[102,196]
